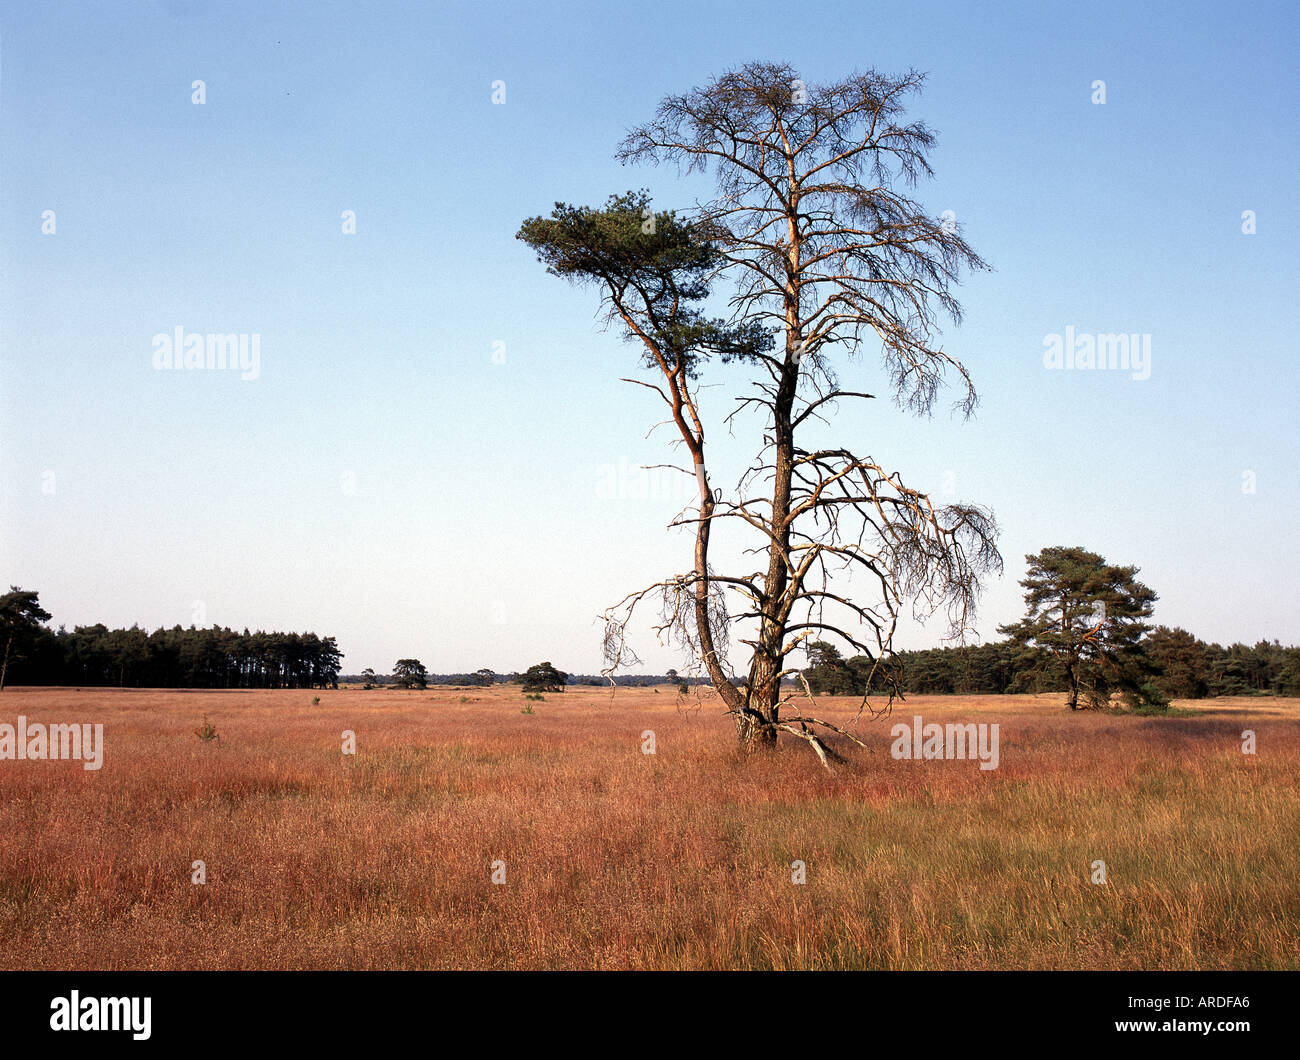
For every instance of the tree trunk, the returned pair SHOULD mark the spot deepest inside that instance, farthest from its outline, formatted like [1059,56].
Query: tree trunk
[1071,678]
[703,622]
[757,727]
[763,693]
[4,666]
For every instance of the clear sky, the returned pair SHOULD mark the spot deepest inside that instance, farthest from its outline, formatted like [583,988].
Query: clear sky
[386,479]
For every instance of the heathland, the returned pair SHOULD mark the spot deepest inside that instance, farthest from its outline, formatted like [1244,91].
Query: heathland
[610,857]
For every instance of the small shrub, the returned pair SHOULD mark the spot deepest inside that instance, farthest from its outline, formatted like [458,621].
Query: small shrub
[207,731]
[315,700]
[526,710]
[535,695]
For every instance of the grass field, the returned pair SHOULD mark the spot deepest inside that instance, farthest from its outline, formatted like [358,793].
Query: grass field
[618,859]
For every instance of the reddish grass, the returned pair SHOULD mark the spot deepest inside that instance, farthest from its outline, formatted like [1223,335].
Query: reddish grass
[615,859]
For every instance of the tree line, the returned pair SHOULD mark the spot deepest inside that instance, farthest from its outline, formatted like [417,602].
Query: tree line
[485,678]
[1084,633]
[411,673]
[1185,666]
[167,658]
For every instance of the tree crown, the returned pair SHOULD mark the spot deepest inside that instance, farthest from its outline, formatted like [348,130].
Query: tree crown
[652,268]
[811,208]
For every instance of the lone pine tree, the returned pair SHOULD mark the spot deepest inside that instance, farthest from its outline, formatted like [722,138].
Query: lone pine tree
[824,253]
[1089,616]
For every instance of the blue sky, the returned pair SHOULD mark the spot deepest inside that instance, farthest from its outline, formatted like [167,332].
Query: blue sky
[387,480]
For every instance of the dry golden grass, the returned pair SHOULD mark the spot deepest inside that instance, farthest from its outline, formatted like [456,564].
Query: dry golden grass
[616,859]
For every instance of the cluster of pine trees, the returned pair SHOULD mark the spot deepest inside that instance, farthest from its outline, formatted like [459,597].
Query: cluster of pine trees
[1183,667]
[177,658]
